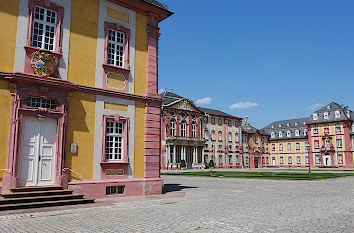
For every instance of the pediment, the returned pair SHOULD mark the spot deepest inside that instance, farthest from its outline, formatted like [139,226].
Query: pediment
[185,105]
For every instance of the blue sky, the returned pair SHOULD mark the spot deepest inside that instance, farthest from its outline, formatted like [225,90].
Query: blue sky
[269,60]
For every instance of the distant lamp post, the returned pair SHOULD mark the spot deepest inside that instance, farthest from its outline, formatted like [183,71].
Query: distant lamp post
[308,153]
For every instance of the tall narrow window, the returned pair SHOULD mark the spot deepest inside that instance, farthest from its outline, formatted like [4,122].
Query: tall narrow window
[339,143]
[183,128]
[173,127]
[115,50]
[44,26]
[194,130]
[114,141]
[220,136]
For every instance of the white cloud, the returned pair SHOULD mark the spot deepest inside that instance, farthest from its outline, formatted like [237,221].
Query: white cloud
[162,90]
[314,106]
[247,104]
[206,100]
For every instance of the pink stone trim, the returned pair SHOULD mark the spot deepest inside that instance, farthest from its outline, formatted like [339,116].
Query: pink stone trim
[126,122]
[132,187]
[19,110]
[152,57]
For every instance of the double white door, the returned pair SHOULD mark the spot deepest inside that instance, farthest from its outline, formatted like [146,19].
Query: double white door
[38,149]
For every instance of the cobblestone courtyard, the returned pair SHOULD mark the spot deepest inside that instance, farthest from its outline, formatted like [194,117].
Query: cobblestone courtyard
[210,205]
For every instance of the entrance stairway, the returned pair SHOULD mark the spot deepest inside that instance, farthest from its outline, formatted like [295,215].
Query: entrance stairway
[36,197]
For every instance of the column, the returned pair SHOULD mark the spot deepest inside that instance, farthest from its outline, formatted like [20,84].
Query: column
[174,154]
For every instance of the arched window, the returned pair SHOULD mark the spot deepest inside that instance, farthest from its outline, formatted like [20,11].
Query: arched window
[297,132]
[173,127]
[280,134]
[288,133]
[183,128]
[272,135]
[194,130]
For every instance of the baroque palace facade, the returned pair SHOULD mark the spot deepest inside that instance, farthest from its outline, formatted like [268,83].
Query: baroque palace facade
[78,95]
[198,135]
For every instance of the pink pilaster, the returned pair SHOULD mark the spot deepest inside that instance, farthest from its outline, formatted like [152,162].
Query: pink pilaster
[348,153]
[152,142]
[152,57]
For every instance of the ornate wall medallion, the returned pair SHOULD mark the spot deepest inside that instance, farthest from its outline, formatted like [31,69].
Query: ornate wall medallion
[44,63]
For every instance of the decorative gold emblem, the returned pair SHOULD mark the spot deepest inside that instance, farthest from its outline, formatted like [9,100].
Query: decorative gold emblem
[44,63]
[184,105]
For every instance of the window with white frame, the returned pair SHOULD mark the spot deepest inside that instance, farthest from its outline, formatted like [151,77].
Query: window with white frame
[272,135]
[280,134]
[230,123]
[327,143]
[115,50]
[288,133]
[212,120]
[339,142]
[173,127]
[219,121]
[206,133]
[305,132]
[298,146]
[297,132]
[340,158]
[236,123]
[325,115]
[236,137]
[307,159]
[315,131]
[44,26]
[220,136]
[337,114]
[316,144]
[298,159]
[230,137]
[230,159]
[281,159]
[289,146]
[39,102]
[290,159]
[315,116]
[213,135]
[281,146]
[326,130]
[205,119]
[219,147]
[318,159]
[183,128]
[273,147]
[114,140]
[338,129]
[194,130]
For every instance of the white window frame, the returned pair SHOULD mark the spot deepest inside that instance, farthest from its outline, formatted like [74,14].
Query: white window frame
[325,115]
[117,54]
[339,143]
[297,132]
[280,134]
[288,146]
[340,158]
[298,146]
[272,135]
[315,116]
[337,114]
[45,24]
[288,133]
[183,128]
[220,136]
[117,135]
[173,127]
[316,144]
[194,130]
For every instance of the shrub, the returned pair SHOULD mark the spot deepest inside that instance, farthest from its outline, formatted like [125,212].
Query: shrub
[183,163]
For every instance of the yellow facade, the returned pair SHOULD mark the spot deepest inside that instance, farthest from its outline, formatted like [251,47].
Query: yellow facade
[140,54]
[8,33]
[81,130]
[285,153]
[139,139]
[83,42]
[5,103]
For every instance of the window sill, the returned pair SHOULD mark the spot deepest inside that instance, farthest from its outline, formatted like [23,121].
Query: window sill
[31,49]
[118,69]
[115,162]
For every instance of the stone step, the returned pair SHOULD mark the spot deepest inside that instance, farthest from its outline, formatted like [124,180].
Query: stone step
[45,204]
[33,199]
[40,188]
[36,193]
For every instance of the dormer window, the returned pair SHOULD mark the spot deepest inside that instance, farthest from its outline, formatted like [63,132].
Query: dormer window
[287,124]
[280,125]
[315,116]
[325,115]
[280,134]
[288,133]
[337,114]
[296,123]
[305,132]
[329,107]
[272,126]
[348,113]
[297,132]
[272,134]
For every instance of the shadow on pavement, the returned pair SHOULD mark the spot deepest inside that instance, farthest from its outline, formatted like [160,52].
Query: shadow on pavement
[175,187]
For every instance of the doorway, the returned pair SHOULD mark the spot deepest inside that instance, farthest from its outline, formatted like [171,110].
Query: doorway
[38,150]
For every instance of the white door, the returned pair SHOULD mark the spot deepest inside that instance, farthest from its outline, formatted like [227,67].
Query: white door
[38,149]
[327,160]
